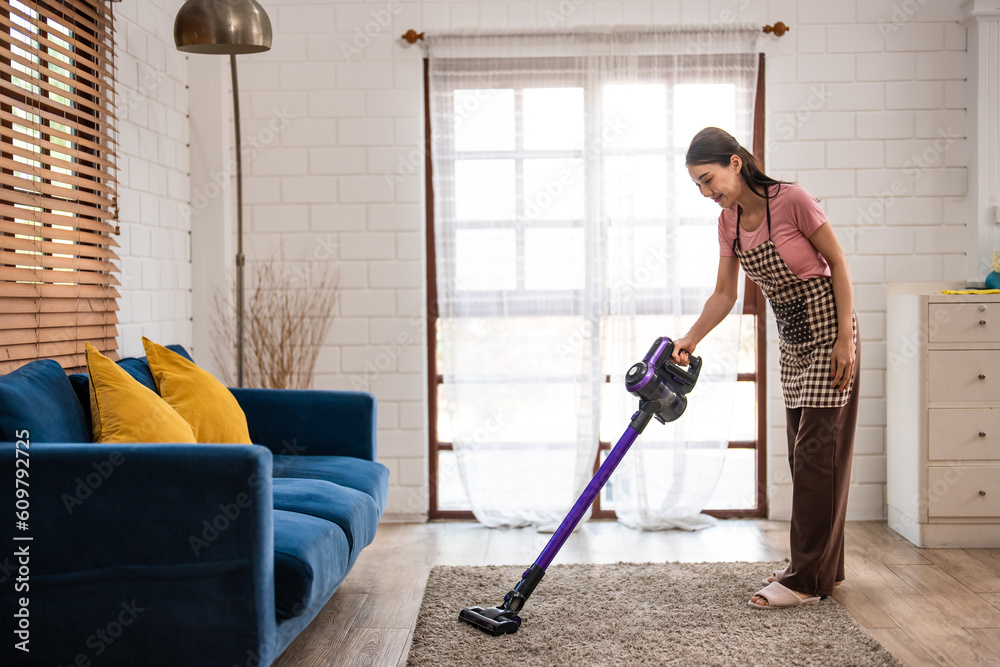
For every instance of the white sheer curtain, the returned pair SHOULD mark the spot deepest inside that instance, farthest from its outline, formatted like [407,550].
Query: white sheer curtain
[568,236]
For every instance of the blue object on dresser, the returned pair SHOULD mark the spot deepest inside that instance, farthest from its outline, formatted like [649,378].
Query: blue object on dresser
[179,554]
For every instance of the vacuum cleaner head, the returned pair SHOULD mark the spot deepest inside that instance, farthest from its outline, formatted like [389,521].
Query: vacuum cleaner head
[657,379]
[492,620]
[503,619]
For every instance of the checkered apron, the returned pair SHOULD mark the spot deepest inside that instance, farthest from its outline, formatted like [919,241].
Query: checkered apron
[806,313]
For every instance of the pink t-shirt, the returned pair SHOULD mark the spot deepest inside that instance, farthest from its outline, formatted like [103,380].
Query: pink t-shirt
[795,215]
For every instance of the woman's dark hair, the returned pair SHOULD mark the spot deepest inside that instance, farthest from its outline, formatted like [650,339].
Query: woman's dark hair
[713,145]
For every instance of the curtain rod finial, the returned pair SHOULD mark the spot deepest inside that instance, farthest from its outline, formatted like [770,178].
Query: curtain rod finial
[412,36]
[778,28]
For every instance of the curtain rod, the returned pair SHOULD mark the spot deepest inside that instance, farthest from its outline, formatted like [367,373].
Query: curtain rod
[779,29]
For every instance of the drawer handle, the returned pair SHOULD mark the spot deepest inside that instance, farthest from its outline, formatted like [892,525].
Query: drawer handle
[982,434]
[982,493]
[982,309]
[982,323]
[982,377]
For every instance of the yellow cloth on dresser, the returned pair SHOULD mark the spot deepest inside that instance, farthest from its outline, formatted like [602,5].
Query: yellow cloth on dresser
[970,291]
[207,405]
[122,410]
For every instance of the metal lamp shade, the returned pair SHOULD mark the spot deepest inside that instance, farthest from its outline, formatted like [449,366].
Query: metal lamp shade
[222,27]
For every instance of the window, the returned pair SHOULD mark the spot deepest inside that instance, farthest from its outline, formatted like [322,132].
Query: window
[525,167]
[58,193]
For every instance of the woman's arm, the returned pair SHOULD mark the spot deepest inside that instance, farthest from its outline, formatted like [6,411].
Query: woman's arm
[714,311]
[842,364]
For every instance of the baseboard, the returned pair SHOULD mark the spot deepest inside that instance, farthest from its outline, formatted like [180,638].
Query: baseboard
[404,517]
[945,535]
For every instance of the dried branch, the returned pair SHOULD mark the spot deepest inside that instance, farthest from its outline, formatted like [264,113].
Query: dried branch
[288,312]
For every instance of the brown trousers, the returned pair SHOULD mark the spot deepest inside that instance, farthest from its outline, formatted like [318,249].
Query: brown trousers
[820,449]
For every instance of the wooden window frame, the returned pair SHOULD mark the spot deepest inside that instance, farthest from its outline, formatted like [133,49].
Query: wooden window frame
[754,304]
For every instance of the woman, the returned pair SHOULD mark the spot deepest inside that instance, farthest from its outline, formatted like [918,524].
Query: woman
[780,236]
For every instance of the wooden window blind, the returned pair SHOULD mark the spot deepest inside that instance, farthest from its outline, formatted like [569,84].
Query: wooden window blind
[58,191]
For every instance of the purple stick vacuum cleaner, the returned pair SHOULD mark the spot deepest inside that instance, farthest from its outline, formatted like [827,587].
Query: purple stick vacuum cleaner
[661,387]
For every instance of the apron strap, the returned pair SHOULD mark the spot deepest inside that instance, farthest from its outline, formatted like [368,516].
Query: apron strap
[739,212]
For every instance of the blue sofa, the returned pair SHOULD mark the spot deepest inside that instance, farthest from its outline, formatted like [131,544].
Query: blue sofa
[175,554]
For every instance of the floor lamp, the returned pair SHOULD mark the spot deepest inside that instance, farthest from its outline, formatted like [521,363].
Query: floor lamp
[227,27]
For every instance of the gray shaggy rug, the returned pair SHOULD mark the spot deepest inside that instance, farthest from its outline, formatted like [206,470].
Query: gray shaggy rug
[636,614]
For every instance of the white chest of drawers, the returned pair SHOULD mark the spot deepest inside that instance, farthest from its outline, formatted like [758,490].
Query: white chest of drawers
[943,416]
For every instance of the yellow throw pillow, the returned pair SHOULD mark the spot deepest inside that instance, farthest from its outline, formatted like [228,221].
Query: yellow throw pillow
[206,404]
[122,410]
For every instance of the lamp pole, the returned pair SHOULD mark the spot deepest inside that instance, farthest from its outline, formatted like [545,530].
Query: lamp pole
[227,27]
[240,258]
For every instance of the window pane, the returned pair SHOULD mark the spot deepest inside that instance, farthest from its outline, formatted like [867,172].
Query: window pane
[737,484]
[451,493]
[744,424]
[484,120]
[612,392]
[635,187]
[635,115]
[736,488]
[541,343]
[553,189]
[747,362]
[700,105]
[485,259]
[553,119]
[517,413]
[697,255]
[446,408]
[554,259]
[637,257]
[484,190]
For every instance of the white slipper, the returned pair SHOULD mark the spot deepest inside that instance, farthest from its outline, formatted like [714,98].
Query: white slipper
[780,597]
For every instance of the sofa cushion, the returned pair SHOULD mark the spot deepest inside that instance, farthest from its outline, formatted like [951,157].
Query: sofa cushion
[311,558]
[39,399]
[138,367]
[134,366]
[354,473]
[122,410]
[354,511]
[196,395]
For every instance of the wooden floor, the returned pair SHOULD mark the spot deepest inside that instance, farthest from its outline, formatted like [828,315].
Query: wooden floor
[927,606]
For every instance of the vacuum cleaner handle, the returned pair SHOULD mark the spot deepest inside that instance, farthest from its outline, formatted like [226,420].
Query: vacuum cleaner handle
[694,368]
[684,378]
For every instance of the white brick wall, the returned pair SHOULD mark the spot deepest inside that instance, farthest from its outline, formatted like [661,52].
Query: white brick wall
[154,184]
[895,125]
[866,106]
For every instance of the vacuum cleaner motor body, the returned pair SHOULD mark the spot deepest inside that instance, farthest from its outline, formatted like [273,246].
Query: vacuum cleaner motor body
[657,378]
